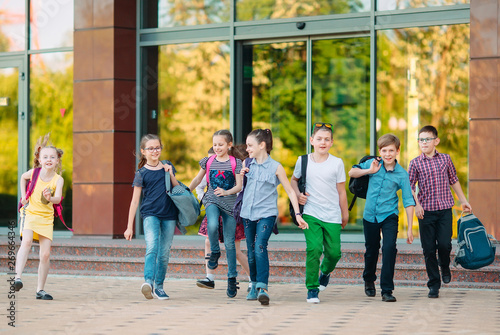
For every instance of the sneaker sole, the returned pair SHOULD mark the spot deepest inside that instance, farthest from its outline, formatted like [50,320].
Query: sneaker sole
[313,301]
[147,291]
[263,299]
[204,286]
[18,286]
[322,288]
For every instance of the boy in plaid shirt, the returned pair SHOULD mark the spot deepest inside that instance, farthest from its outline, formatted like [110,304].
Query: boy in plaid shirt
[435,173]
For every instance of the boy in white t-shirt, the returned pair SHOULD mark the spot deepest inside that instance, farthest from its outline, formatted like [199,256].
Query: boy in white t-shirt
[325,209]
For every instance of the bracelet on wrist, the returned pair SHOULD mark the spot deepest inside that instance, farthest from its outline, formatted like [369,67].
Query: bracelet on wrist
[296,214]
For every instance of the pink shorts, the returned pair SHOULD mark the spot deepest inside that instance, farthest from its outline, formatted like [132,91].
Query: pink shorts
[240,230]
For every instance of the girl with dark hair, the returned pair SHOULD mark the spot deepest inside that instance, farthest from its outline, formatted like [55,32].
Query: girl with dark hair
[224,182]
[260,208]
[158,212]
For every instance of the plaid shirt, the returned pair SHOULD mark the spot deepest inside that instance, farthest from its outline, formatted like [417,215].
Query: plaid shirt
[434,176]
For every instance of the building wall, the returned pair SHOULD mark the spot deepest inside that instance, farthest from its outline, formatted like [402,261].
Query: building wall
[484,136]
[104,115]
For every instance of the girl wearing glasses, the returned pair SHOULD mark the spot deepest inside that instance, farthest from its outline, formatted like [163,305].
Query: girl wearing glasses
[158,212]
[224,182]
[259,208]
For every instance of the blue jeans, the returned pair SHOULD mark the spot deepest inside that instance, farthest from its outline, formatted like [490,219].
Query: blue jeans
[229,229]
[159,235]
[257,234]
[389,228]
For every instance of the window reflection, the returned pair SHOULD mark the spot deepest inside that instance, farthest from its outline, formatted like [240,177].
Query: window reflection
[248,10]
[12,26]
[51,24]
[171,13]
[9,83]
[278,92]
[193,101]
[340,95]
[403,4]
[51,110]
[423,78]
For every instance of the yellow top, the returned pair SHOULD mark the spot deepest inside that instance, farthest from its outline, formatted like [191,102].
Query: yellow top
[38,215]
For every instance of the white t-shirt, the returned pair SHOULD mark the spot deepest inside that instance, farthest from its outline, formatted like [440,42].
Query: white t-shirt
[321,184]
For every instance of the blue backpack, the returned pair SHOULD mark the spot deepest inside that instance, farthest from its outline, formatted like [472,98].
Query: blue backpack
[475,246]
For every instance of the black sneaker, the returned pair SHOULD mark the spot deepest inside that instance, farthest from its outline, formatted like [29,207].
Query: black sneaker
[213,261]
[433,293]
[388,297]
[205,283]
[323,281]
[43,295]
[18,284]
[232,287]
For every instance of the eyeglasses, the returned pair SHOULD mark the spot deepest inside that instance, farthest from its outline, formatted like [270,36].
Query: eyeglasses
[426,140]
[323,124]
[153,149]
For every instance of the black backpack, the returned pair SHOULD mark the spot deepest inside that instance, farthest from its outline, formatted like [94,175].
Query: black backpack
[359,186]
[302,187]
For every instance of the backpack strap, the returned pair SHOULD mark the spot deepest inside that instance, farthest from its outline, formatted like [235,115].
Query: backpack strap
[209,162]
[233,164]
[303,169]
[32,183]
[58,213]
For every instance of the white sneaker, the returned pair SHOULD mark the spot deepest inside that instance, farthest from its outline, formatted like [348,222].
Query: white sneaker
[312,296]
[147,290]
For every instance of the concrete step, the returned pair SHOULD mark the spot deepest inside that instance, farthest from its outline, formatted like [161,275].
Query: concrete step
[287,262]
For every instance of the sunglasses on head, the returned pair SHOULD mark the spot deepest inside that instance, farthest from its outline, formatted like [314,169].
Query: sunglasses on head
[323,124]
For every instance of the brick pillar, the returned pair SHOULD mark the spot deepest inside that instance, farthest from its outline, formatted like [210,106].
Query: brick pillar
[104,115]
[484,134]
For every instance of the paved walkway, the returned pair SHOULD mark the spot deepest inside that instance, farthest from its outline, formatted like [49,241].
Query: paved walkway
[105,305]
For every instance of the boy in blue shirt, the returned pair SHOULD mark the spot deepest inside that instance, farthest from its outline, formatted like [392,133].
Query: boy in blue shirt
[381,213]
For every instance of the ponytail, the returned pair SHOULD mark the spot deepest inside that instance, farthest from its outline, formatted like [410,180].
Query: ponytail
[263,135]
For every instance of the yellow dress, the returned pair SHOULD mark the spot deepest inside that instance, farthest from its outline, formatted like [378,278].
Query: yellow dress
[36,215]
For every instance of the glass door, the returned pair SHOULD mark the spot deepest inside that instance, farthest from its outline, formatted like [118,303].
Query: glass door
[12,119]
[289,85]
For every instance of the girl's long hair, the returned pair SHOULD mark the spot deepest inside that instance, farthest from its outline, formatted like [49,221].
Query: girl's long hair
[144,140]
[42,143]
[229,139]
[263,135]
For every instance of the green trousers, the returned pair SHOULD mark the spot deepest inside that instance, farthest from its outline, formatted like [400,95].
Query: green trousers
[321,238]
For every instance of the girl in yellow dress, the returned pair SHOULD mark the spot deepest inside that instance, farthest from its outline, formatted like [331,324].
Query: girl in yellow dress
[37,213]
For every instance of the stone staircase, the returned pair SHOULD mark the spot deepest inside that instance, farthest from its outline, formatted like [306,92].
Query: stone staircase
[105,257]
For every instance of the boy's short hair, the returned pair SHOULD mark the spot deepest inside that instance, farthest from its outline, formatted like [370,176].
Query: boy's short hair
[429,129]
[322,126]
[388,139]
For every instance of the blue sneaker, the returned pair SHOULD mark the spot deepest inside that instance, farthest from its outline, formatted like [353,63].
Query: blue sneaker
[213,261]
[160,294]
[147,289]
[252,294]
[312,296]
[323,281]
[263,296]
[232,287]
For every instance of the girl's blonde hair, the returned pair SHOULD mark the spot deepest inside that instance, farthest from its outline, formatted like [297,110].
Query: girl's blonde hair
[42,143]
[144,140]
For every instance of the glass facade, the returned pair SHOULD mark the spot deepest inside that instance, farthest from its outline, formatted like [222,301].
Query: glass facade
[51,110]
[366,78]
[423,78]
[9,104]
[12,26]
[47,79]
[51,24]
[369,67]
[249,10]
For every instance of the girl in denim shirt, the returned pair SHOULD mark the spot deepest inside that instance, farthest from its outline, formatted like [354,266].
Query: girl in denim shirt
[158,212]
[260,208]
